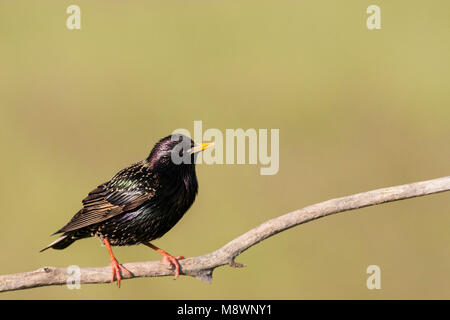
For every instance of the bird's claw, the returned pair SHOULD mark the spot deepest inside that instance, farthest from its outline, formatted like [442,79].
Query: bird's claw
[116,268]
[173,262]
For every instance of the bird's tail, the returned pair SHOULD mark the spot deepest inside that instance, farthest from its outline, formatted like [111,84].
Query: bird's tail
[62,242]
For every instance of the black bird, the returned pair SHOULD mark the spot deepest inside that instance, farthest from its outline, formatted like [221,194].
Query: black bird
[140,203]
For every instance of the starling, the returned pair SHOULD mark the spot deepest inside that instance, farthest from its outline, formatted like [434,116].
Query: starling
[140,203]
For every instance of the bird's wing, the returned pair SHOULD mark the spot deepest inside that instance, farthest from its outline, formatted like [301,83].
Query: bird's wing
[105,202]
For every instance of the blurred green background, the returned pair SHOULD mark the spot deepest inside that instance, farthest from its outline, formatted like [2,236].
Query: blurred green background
[356,109]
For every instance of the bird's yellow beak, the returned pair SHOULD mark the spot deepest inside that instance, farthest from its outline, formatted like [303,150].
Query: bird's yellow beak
[201,147]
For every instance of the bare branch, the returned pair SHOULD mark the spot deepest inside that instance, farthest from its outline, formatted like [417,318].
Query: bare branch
[202,267]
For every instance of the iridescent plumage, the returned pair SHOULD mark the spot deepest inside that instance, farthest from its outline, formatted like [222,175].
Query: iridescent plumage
[140,203]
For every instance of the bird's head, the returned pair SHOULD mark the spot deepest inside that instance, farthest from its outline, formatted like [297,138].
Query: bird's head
[175,150]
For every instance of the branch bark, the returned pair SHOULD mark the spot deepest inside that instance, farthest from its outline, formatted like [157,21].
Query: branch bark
[202,267]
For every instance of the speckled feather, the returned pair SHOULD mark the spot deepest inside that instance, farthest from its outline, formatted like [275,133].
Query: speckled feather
[139,204]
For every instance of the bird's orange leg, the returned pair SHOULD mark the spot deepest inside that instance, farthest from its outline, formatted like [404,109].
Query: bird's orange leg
[173,261]
[116,267]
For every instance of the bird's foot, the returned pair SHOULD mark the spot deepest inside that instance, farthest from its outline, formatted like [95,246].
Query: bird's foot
[173,262]
[116,268]
[168,258]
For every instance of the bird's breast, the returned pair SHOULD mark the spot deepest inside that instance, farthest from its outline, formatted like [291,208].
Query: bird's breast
[157,215]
